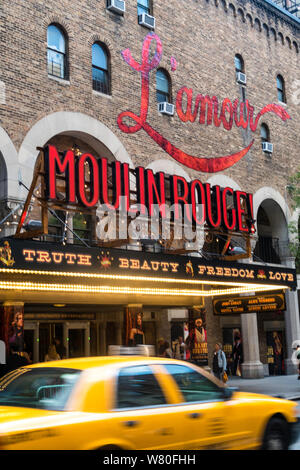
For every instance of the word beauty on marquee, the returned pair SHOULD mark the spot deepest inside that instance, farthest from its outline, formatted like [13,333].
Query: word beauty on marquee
[151,191]
[47,257]
[210,112]
[42,257]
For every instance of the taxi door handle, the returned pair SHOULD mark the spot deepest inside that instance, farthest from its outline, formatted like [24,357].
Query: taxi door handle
[131,424]
[195,415]
[165,431]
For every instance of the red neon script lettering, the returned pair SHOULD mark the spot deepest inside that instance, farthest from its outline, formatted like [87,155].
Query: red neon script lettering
[203,164]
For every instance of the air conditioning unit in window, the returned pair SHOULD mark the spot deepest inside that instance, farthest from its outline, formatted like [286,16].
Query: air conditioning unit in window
[147,20]
[267,147]
[241,78]
[117,6]
[166,108]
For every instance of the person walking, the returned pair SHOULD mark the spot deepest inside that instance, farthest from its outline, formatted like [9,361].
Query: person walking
[60,348]
[52,354]
[237,356]
[178,347]
[298,357]
[15,359]
[161,347]
[167,350]
[277,348]
[219,361]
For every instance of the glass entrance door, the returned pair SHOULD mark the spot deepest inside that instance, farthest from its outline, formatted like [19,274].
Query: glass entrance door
[74,338]
[31,340]
[48,331]
[78,339]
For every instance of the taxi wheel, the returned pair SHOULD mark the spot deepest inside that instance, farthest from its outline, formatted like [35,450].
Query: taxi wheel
[109,447]
[276,435]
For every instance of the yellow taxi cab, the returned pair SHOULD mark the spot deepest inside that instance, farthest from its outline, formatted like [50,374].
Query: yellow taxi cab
[135,403]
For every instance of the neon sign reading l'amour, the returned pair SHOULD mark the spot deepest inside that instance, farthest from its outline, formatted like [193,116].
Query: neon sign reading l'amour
[240,114]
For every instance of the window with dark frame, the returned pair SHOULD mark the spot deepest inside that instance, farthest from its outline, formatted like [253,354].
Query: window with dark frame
[143,6]
[162,87]
[100,69]
[56,52]
[264,133]
[239,63]
[280,89]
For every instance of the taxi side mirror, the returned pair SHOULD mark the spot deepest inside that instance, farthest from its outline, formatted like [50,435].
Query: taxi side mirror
[228,392]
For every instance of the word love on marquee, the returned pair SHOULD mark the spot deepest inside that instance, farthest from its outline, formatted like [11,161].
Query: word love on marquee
[33,258]
[200,203]
[208,109]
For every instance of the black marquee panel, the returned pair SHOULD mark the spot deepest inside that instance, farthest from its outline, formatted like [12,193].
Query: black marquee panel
[38,256]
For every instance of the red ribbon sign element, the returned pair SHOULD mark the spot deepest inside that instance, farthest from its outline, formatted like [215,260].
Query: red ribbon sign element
[203,164]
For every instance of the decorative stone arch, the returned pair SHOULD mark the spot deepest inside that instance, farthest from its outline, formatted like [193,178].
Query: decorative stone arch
[232,9]
[278,215]
[223,181]
[295,45]
[289,42]
[94,132]
[270,193]
[249,19]
[257,24]
[266,29]
[280,37]
[241,14]
[9,165]
[169,167]
[273,34]
[224,5]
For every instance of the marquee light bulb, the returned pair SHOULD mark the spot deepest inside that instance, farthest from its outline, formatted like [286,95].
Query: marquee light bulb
[121,290]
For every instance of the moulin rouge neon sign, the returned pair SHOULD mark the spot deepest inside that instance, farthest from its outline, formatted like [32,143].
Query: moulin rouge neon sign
[240,114]
[151,190]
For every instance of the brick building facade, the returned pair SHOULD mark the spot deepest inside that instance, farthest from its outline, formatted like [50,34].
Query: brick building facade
[200,40]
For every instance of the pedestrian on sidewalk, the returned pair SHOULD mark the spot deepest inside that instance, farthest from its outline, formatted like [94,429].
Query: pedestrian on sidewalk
[219,361]
[160,347]
[15,359]
[237,355]
[298,357]
[167,350]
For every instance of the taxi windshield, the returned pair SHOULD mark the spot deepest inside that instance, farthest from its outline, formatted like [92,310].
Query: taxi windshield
[46,388]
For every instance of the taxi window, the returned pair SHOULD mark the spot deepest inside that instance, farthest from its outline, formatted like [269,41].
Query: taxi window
[137,387]
[47,388]
[193,385]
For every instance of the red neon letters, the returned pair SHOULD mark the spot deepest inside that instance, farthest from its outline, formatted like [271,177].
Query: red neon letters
[186,197]
[239,114]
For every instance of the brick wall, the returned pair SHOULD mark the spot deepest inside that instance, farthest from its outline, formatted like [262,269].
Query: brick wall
[203,36]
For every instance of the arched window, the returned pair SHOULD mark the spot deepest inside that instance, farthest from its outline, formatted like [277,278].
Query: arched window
[56,52]
[280,89]
[143,6]
[239,63]
[264,133]
[163,87]
[100,69]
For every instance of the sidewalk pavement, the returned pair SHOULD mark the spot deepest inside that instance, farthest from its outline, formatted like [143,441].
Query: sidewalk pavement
[283,386]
